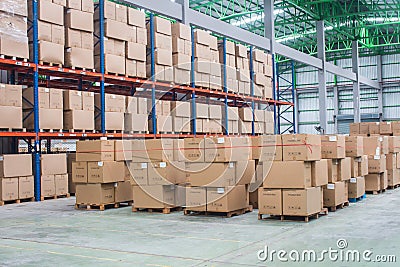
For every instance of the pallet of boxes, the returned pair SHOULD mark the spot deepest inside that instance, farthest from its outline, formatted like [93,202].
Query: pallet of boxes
[16,180]
[54,176]
[359,167]
[292,188]
[136,115]
[181,53]
[262,73]
[376,147]
[335,193]
[157,176]
[78,111]
[114,112]
[219,171]
[393,162]
[11,107]
[99,174]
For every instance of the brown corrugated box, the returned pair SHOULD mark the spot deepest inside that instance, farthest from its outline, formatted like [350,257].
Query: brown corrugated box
[319,172]
[333,170]
[154,196]
[354,167]
[289,174]
[80,172]
[391,161]
[363,166]
[11,117]
[335,194]
[72,100]
[181,31]
[95,150]
[95,193]
[302,202]
[344,169]
[194,149]
[106,172]
[214,175]
[25,187]
[166,173]
[10,95]
[162,25]
[301,147]
[114,121]
[136,18]
[123,150]
[121,13]
[47,185]
[354,146]
[123,192]
[356,187]
[135,51]
[8,189]
[372,145]
[384,180]
[113,64]
[88,101]
[393,177]
[245,171]
[138,172]
[79,58]
[136,122]
[16,48]
[50,52]
[226,199]
[354,128]
[376,163]
[267,147]
[373,182]
[270,201]
[61,184]
[385,127]
[50,12]
[74,4]
[53,164]
[196,198]
[225,149]
[373,128]
[19,7]
[15,165]
[333,146]
[78,120]
[394,144]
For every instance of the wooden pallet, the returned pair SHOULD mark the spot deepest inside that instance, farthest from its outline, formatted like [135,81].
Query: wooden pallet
[81,131]
[51,130]
[340,206]
[391,187]
[13,58]
[102,207]
[114,131]
[16,201]
[159,210]
[356,199]
[136,132]
[282,218]
[162,132]
[42,198]
[376,192]
[228,214]
[50,64]
[13,130]
[115,74]
[82,69]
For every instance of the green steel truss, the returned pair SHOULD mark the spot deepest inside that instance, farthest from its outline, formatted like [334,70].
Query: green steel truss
[375,24]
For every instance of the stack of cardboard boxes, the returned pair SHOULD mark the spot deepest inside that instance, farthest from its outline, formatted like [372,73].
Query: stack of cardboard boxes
[243,69]
[14,28]
[230,60]
[51,34]
[79,29]
[219,171]
[359,166]
[163,69]
[292,187]
[375,128]
[393,161]
[339,170]
[233,120]
[202,115]
[163,116]
[16,180]
[214,124]
[50,108]
[181,53]
[78,110]
[99,172]
[156,174]
[180,112]
[262,69]
[10,106]
[71,157]
[136,46]
[263,121]
[114,112]
[376,147]
[136,115]
[54,175]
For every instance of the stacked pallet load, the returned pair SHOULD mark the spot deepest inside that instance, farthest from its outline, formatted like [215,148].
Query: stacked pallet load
[181,53]
[99,173]
[359,167]
[245,122]
[51,35]
[335,193]
[376,147]
[136,115]
[262,73]
[156,175]
[180,112]
[243,69]
[16,180]
[230,63]
[233,120]
[263,121]
[13,29]
[114,112]
[162,37]
[293,187]
[78,110]
[214,123]
[10,107]
[117,33]
[219,172]
[136,45]
[375,128]
[163,117]
[79,28]
[54,176]
[201,118]
[50,108]
[392,162]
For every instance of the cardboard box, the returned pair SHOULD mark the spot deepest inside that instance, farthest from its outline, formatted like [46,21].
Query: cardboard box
[72,100]
[113,103]
[356,187]
[396,128]
[384,180]
[393,177]
[354,129]
[121,13]
[344,169]
[11,117]
[225,149]
[373,182]
[123,150]
[270,201]
[374,128]
[363,166]
[44,98]
[113,64]
[138,173]
[50,12]
[245,171]
[289,174]
[61,184]
[364,128]
[333,170]
[334,194]
[162,25]
[80,172]
[154,196]
[136,51]
[15,165]
[385,127]
[79,20]
[319,172]
[56,99]
[50,52]
[136,122]
[304,147]
[376,163]
[194,149]
[95,150]
[79,58]
[123,192]
[196,198]
[106,172]
[158,149]
[136,18]
[25,187]
[78,120]
[267,147]
[391,161]
[10,95]
[95,194]
[53,164]
[302,202]
[394,144]
[88,101]
[226,199]
[213,175]
[372,145]
[181,31]
[114,121]
[8,189]
[166,173]
[48,119]
[354,146]
[354,167]
[48,185]
[19,7]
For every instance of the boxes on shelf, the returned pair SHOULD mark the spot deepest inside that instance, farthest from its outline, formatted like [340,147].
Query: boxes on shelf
[243,69]
[11,106]
[114,112]
[230,63]
[262,68]
[181,53]
[335,193]
[78,110]
[54,175]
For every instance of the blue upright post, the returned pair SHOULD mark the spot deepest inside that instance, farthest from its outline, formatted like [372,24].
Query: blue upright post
[102,70]
[193,84]
[294,96]
[226,131]
[36,150]
[252,89]
[277,97]
[153,76]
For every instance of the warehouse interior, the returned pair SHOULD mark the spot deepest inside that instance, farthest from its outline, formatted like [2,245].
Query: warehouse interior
[199,133]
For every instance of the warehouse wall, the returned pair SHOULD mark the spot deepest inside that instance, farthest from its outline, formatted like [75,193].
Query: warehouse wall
[308,104]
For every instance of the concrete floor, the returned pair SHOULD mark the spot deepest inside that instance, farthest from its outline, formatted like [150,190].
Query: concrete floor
[53,233]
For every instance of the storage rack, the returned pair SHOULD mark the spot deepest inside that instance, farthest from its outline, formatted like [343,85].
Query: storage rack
[58,77]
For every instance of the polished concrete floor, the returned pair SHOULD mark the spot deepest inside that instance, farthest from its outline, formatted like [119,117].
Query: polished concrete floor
[52,233]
